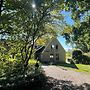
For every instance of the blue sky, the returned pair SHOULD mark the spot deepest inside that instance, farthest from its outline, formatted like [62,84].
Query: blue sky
[67,17]
[69,21]
[63,43]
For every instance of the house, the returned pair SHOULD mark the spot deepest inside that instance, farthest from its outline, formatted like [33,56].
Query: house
[52,53]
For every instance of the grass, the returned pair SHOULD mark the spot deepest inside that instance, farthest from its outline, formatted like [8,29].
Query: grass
[68,65]
[77,67]
[83,68]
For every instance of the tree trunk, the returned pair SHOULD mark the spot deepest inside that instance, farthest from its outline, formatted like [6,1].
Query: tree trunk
[30,54]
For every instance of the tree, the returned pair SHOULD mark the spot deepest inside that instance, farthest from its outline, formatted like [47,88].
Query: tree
[24,21]
[81,36]
[80,31]
[77,56]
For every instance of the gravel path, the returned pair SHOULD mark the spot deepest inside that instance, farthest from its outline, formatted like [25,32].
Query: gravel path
[60,73]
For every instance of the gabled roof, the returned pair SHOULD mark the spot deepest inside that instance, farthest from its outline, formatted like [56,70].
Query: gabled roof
[40,49]
[53,39]
[43,48]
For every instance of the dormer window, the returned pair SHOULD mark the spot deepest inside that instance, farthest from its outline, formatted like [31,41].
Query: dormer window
[56,46]
[52,46]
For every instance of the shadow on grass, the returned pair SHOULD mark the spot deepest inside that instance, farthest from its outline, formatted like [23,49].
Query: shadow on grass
[68,65]
[72,65]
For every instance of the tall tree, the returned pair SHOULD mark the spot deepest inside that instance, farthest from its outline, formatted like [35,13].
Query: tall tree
[24,21]
[80,33]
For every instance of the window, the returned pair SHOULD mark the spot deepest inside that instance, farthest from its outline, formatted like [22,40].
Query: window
[52,46]
[51,56]
[56,46]
[57,56]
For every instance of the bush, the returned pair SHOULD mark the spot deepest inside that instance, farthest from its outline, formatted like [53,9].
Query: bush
[76,55]
[79,57]
[85,59]
[12,74]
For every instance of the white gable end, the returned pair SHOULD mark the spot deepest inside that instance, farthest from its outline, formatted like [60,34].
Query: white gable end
[54,52]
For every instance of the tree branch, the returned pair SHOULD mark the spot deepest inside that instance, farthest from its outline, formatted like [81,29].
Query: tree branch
[1,4]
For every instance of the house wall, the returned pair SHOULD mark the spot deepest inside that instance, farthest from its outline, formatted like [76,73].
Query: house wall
[53,52]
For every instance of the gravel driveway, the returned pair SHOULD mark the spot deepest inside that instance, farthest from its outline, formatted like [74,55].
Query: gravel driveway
[60,73]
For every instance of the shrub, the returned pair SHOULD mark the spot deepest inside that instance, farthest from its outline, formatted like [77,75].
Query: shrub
[79,57]
[85,59]
[32,62]
[12,74]
[76,55]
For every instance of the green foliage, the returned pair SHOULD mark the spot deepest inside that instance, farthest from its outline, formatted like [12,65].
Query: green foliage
[68,54]
[12,74]
[85,59]
[76,55]
[32,61]
[79,57]
[20,27]
[79,34]
[21,24]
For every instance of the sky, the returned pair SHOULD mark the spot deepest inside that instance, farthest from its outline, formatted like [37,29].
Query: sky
[69,21]
[67,18]
[63,43]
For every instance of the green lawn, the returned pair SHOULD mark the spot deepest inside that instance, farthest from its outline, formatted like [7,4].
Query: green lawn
[83,68]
